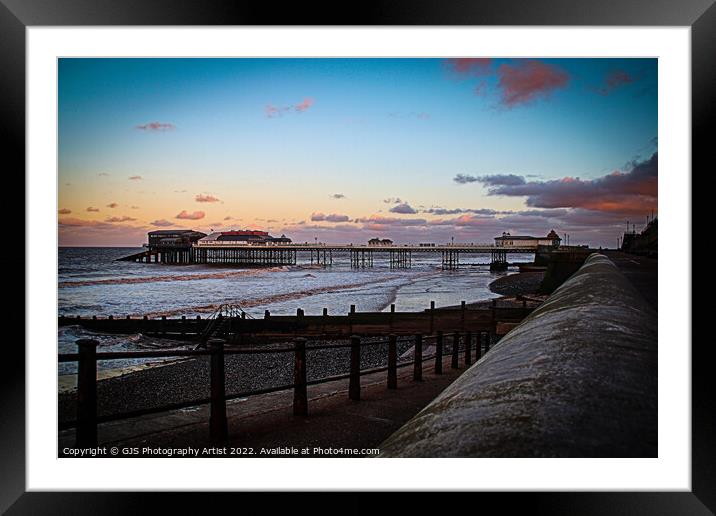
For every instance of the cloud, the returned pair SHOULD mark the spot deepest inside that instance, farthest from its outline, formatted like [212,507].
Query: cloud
[112,205]
[468,66]
[629,192]
[75,222]
[529,80]
[134,207]
[190,216]
[92,208]
[103,174]
[613,80]
[156,126]
[404,208]
[273,111]
[123,218]
[333,217]
[161,223]
[64,211]
[454,211]
[228,217]
[378,220]
[502,180]
[337,196]
[135,178]
[392,200]
[206,198]
[464,179]
[303,106]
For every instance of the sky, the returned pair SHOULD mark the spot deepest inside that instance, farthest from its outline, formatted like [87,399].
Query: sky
[344,150]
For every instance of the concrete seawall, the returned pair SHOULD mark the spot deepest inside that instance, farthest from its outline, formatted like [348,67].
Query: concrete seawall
[577,378]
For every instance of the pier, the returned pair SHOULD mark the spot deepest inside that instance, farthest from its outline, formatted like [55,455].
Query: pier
[359,256]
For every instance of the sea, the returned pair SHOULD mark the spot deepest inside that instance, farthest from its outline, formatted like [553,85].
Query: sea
[92,282]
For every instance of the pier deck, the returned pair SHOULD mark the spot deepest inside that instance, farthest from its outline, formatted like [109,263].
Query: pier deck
[361,256]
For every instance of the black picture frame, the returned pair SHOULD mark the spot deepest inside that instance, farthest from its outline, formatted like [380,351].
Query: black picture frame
[16,15]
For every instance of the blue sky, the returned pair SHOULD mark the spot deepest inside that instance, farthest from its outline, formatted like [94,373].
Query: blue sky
[276,139]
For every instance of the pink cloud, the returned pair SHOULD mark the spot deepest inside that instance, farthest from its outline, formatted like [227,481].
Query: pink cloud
[91,208]
[272,111]
[135,178]
[123,218]
[191,216]
[469,66]
[64,211]
[206,198]
[112,205]
[303,106]
[615,79]
[333,217]
[155,126]
[161,223]
[529,80]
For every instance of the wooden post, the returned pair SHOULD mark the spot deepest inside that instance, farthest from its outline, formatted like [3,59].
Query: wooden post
[392,315]
[439,353]
[432,317]
[86,434]
[455,350]
[524,308]
[350,318]
[392,362]
[267,314]
[468,348]
[300,394]
[354,381]
[462,315]
[218,426]
[418,359]
[478,345]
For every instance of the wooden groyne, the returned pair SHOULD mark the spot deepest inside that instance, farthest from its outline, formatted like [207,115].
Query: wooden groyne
[491,319]
[577,378]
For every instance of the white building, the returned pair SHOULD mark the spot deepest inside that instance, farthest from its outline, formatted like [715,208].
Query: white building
[507,240]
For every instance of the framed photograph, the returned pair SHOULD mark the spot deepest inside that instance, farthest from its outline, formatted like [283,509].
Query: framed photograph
[413,250]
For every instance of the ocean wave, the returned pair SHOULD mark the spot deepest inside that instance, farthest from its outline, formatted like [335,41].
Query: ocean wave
[268,300]
[169,278]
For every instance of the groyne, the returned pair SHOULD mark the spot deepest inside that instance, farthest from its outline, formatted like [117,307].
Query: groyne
[576,378]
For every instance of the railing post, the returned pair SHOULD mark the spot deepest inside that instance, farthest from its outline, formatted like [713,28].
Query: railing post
[488,340]
[350,319]
[468,348]
[392,362]
[418,359]
[478,345]
[432,317]
[455,350]
[462,315]
[218,426]
[439,353]
[392,315]
[86,433]
[354,381]
[300,394]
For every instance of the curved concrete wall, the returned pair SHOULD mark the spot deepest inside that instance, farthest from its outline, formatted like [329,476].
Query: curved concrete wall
[577,378]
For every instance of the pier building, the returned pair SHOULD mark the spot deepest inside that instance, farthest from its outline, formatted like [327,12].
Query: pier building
[507,240]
